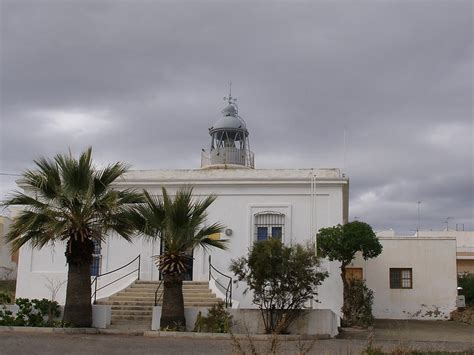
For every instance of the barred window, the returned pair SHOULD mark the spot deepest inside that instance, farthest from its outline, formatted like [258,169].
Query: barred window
[96,258]
[401,278]
[269,224]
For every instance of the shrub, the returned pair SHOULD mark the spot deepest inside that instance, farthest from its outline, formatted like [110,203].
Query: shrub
[358,308]
[218,320]
[466,281]
[8,287]
[32,313]
[282,279]
[5,298]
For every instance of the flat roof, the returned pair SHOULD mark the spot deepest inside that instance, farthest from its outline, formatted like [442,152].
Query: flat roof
[188,175]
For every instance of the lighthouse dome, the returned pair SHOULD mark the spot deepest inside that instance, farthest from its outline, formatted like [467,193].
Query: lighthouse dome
[229,122]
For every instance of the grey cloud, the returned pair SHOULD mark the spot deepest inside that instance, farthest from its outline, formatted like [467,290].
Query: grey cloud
[397,76]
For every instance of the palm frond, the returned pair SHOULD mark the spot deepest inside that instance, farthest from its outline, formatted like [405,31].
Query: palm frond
[71,200]
[180,224]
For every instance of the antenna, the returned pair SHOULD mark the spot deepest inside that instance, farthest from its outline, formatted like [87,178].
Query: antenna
[419,203]
[230,99]
[344,152]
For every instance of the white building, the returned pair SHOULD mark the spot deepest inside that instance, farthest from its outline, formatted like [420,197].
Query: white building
[254,204]
[414,277]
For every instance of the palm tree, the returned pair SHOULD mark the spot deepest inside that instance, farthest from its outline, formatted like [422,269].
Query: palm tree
[69,200]
[180,224]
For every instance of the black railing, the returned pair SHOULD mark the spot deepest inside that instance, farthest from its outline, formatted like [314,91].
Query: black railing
[94,282]
[156,293]
[227,289]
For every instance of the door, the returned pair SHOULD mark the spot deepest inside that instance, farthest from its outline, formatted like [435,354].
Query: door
[188,275]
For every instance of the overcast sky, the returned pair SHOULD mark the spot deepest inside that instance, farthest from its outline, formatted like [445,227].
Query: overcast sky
[141,81]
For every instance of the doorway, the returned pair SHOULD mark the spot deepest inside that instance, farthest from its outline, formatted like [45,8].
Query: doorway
[188,275]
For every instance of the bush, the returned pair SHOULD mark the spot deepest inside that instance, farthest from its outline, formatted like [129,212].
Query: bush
[32,313]
[218,320]
[466,281]
[282,279]
[8,287]
[5,298]
[358,308]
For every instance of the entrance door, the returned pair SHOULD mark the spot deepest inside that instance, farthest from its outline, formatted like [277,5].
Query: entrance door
[188,275]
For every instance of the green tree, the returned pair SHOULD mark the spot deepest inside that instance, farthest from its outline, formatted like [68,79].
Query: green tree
[69,200]
[341,243]
[466,281]
[180,224]
[282,279]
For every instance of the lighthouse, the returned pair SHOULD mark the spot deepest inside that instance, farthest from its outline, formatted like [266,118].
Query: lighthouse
[229,141]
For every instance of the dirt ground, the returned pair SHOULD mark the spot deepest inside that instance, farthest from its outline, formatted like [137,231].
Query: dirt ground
[416,330]
[415,335]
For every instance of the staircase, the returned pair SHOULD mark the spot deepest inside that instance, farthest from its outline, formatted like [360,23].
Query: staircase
[132,307]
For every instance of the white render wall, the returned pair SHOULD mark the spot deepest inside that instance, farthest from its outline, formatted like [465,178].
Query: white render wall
[240,194]
[433,263]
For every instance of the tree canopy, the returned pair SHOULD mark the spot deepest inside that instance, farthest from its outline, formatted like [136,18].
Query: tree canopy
[342,242]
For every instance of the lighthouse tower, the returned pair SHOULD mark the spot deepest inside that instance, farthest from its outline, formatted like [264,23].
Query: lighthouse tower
[229,141]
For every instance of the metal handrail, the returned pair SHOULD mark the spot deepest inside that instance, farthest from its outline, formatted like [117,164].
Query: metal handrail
[94,282]
[156,294]
[228,288]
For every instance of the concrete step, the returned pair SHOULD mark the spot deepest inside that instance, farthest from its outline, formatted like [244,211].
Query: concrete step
[151,300]
[153,289]
[150,303]
[155,285]
[152,295]
[138,292]
[131,312]
[130,319]
[132,308]
[144,282]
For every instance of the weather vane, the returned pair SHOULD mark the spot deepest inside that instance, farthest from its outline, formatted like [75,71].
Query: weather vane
[230,99]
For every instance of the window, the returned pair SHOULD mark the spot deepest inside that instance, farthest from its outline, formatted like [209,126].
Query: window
[401,278]
[354,273]
[96,258]
[269,225]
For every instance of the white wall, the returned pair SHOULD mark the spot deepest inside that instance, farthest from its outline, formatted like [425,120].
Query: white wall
[433,261]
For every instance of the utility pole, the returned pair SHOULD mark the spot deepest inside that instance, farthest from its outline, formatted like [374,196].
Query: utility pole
[447,222]
[418,229]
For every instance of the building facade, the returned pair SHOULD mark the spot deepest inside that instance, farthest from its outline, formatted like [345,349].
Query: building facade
[413,278]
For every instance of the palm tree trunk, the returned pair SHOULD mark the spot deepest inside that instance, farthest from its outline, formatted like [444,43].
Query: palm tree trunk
[172,312]
[78,308]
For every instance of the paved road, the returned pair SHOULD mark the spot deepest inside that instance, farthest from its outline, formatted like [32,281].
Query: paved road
[21,343]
